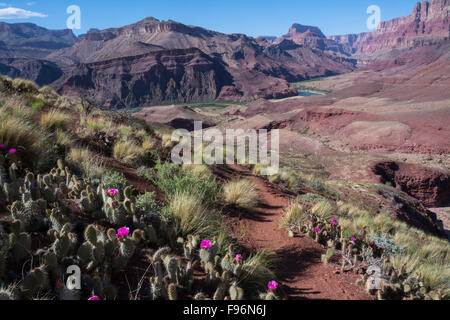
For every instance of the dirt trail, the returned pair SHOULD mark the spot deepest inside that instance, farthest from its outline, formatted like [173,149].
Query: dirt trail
[305,276]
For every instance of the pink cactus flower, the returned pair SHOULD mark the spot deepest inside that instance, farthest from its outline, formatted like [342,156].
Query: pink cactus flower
[206,244]
[94,298]
[238,257]
[317,229]
[333,223]
[12,151]
[112,192]
[123,232]
[111,135]
[352,239]
[272,285]
[312,219]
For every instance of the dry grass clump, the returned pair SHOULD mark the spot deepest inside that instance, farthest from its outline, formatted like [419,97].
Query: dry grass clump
[25,86]
[21,135]
[128,152]
[191,217]
[85,161]
[149,143]
[64,138]
[323,209]
[292,215]
[200,170]
[241,193]
[55,120]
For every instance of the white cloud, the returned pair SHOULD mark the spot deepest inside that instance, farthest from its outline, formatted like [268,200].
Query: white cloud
[17,13]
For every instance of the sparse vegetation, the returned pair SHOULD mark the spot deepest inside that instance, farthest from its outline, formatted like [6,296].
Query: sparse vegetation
[241,193]
[55,120]
[128,152]
[85,213]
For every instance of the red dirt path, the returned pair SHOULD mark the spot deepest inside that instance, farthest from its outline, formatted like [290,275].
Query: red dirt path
[305,276]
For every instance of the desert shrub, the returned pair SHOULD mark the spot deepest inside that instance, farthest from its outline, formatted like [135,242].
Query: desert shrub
[48,92]
[31,145]
[312,198]
[316,184]
[55,120]
[86,162]
[128,152]
[241,193]
[16,108]
[292,215]
[171,179]
[387,243]
[257,272]
[323,209]
[200,170]
[6,83]
[25,86]
[190,216]
[147,203]
[64,138]
[114,180]
[149,144]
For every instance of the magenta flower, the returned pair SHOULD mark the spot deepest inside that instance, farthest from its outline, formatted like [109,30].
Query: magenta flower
[94,298]
[352,239]
[371,243]
[111,135]
[12,151]
[333,223]
[238,257]
[2,146]
[123,232]
[206,244]
[272,285]
[112,192]
[312,219]
[317,229]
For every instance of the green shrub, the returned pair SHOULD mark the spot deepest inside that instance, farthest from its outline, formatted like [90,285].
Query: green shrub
[311,198]
[147,203]
[171,179]
[114,180]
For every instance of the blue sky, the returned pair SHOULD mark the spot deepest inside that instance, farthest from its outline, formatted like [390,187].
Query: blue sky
[262,17]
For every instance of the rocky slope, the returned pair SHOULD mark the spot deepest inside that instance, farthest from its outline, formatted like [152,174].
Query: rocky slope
[431,187]
[258,67]
[152,78]
[31,41]
[428,24]
[245,68]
